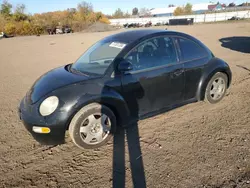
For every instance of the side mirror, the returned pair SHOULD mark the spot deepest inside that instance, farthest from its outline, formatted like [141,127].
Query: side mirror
[125,66]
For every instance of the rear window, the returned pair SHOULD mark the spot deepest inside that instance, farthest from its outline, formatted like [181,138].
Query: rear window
[190,50]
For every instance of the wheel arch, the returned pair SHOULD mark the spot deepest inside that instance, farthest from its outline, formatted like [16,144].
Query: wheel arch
[115,102]
[208,73]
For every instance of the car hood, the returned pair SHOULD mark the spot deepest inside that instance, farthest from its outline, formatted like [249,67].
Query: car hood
[53,80]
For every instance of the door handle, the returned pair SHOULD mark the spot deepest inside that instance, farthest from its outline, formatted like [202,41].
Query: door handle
[178,72]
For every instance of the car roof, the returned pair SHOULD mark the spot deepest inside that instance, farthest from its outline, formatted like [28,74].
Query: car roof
[133,35]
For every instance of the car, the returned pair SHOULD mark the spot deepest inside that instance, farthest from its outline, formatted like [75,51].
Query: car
[59,31]
[119,80]
[234,18]
[4,35]
[67,30]
[1,35]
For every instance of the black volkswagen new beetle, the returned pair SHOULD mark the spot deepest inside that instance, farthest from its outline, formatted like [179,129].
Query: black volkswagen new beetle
[121,79]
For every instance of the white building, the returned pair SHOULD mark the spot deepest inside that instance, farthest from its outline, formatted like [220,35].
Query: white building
[169,11]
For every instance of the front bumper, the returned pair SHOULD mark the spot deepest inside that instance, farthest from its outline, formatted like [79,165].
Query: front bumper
[30,118]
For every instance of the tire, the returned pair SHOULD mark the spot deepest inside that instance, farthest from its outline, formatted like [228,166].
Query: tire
[89,125]
[216,88]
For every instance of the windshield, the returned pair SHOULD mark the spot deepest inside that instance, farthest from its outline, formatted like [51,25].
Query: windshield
[97,58]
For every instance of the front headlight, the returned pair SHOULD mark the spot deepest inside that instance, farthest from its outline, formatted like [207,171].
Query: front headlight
[49,105]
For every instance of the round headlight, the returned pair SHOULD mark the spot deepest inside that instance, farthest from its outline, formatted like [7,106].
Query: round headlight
[49,105]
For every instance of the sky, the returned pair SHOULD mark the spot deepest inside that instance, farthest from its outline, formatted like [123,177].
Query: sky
[105,6]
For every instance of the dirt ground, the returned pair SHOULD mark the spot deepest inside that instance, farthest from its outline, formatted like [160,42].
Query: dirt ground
[198,145]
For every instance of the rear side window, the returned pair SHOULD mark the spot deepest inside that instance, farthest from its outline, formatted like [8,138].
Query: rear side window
[190,50]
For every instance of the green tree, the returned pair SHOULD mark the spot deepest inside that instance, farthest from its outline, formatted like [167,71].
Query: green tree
[6,9]
[183,10]
[10,28]
[2,22]
[98,15]
[188,8]
[178,11]
[135,11]
[118,13]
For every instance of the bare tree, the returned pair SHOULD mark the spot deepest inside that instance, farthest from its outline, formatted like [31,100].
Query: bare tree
[144,12]
[85,8]
[19,14]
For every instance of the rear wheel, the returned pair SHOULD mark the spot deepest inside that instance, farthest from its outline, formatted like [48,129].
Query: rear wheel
[92,126]
[216,88]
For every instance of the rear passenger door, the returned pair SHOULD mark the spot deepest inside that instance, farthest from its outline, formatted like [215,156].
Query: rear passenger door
[194,57]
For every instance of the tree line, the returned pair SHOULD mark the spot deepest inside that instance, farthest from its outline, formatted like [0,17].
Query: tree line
[15,21]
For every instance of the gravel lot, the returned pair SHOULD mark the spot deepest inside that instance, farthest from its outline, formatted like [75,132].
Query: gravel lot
[197,145]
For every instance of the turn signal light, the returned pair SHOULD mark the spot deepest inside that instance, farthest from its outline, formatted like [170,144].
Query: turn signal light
[41,130]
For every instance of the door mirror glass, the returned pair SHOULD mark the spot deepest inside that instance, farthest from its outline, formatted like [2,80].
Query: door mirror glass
[125,66]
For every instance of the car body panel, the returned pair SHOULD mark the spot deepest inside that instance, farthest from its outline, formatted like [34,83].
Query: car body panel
[193,73]
[52,80]
[142,92]
[131,96]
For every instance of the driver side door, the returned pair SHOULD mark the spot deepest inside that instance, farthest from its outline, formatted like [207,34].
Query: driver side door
[157,78]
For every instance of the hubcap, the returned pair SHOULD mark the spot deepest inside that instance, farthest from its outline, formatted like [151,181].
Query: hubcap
[217,88]
[95,128]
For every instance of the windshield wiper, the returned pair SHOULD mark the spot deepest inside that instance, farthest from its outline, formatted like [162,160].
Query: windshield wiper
[78,72]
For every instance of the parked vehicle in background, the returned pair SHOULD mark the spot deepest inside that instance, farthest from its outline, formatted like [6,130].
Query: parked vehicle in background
[149,24]
[51,30]
[182,21]
[234,18]
[1,35]
[119,80]
[4,35]
[59,31]
[161,23]
[137,25]
[67,29]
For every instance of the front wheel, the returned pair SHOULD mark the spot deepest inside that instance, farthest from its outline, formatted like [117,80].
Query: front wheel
[216,88]
[92,126]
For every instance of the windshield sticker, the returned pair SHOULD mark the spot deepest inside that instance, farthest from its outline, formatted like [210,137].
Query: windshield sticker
[117,45]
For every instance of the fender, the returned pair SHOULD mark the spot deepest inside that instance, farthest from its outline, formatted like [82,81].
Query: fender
[109,98]
[91,93]
[213,66]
